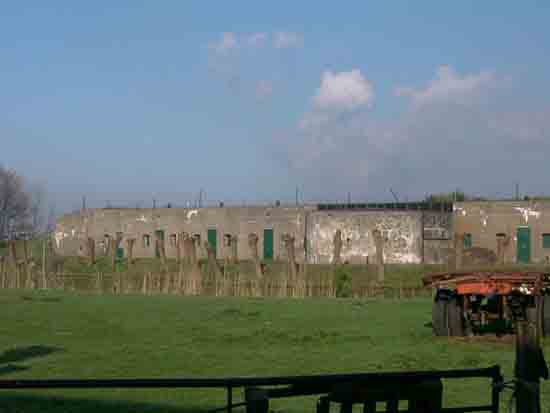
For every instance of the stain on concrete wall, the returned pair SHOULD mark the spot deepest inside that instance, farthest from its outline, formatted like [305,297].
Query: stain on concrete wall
[401,231]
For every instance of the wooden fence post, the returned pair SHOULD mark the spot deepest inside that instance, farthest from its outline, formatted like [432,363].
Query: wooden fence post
[253,245]
[337,247]
[379,245]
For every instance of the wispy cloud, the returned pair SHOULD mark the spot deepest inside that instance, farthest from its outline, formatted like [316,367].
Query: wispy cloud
[231,41]
[285,40]
[448,86]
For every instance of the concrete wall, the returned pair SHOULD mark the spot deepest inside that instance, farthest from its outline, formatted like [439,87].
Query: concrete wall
[484,220]
[71,230]
[402,232]
[410,236]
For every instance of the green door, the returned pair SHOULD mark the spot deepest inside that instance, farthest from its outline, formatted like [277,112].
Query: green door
[213,239]
[524,245]
[120,253]
[467,241]
[160,235]
[268,244]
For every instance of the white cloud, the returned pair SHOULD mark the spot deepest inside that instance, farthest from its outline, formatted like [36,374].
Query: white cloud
[284,40]
[436,147]
[448,86]
[343,91]
[227,42]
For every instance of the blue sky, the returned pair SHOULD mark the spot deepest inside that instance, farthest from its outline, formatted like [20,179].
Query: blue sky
[131,100]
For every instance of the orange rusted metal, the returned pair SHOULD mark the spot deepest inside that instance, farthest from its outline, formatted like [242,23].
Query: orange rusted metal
[484,288]
[489,282]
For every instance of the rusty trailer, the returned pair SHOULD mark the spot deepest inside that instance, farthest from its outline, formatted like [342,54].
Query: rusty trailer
[475,302]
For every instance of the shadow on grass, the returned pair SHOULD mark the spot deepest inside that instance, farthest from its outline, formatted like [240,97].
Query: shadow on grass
[16,403]
[42,299]
[11,368]
[19,354]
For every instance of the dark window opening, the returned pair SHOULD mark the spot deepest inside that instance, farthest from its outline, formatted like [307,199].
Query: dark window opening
[227,238]
[197,238]
[173,240]
[545,241]
[146,241]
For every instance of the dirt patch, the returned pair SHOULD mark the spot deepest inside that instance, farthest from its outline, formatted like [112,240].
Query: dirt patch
[487,338]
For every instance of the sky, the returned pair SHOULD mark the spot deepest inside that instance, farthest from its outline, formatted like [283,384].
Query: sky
[129,101]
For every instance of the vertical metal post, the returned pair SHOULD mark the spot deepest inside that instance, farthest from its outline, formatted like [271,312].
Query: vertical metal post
[495,391]
[229,399]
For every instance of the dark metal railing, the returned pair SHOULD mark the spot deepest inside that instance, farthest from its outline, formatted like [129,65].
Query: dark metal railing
[295,385]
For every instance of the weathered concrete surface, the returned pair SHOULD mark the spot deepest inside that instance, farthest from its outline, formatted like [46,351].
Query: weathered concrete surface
[402,233]
[73,229]
[409,236]
[489,220]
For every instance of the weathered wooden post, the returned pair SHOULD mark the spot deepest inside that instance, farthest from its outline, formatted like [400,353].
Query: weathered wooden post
[502,243]
[13,254]
[195,273]
[90,250]
[213,267]
[130,242]
[114,245]
[253,245]
[291,254]
[234,239]
[160,247]
[26,265]
[337,247]
[180,254]
[379,246]
[458,251]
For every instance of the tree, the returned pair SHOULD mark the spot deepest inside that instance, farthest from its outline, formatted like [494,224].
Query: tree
[457,196]
[14,202]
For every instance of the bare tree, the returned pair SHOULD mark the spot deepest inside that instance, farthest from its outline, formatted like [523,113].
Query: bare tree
[37,210]
[14,202]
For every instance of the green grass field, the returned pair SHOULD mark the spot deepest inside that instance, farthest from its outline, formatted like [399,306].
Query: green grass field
[59,335]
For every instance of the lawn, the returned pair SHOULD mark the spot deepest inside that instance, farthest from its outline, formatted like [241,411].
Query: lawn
[61,335]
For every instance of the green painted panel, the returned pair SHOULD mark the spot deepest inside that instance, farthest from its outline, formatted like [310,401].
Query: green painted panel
[212,237]
[268,244]
[524,245]
[545,240]
[467,241]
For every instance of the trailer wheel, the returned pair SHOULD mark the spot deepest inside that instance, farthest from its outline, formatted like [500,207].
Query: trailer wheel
[455,318]
[439,317]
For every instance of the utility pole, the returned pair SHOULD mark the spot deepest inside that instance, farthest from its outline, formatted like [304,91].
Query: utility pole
[296,196]
[517,191]
[84,203]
